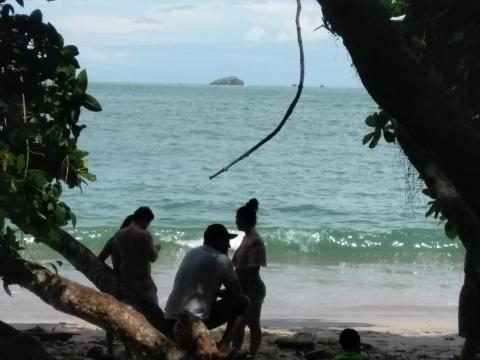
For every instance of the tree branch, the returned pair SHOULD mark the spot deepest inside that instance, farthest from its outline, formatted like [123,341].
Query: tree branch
[88,304]
[290,108]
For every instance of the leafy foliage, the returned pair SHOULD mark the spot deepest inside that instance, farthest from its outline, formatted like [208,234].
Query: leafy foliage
[41,96]
[381,123]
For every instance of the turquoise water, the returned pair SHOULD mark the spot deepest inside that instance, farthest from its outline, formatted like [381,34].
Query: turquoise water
[335,215]
[319,188]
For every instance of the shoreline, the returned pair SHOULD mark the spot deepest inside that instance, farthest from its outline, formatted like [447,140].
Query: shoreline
[380,342]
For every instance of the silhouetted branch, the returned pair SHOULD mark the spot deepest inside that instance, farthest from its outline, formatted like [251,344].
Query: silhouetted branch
[290,108]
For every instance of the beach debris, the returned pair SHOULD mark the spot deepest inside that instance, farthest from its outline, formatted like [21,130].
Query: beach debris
[96,352]
[43,335]
[300,342]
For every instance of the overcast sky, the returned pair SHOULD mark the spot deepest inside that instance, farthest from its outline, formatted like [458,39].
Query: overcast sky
[197,41]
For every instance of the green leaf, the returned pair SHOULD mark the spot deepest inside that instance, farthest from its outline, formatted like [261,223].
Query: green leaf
[73,217]
[71,50]
[68,70]
[20,162]
[91,103]
[36,16]
[37,178]
[60,215]
[89,176]
[432,209]
[371,120]
[450,230]
[368,137]
[82,82]
[6,9]
[20,2]
[375,138]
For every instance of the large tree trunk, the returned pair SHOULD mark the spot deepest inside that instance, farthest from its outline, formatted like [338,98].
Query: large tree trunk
[439,136]
[84,261]
[103,310]
[93,306]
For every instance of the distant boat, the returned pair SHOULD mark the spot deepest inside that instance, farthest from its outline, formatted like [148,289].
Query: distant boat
[322,86]
[294,84]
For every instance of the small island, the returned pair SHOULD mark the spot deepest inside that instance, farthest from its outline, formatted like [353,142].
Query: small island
[229,80]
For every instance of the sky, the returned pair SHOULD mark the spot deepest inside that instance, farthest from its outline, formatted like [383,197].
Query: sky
[198,41]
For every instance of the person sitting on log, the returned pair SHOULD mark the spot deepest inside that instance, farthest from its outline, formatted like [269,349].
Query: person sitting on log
[198,284]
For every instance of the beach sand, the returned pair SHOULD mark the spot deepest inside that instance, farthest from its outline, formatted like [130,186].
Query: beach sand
[380,341]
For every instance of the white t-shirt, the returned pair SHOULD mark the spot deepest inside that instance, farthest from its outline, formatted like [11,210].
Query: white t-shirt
[200,275]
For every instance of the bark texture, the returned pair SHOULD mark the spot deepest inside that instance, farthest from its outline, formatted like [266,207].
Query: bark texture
[91,305]
[101,275]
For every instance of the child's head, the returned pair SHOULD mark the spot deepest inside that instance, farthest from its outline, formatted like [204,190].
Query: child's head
[350,340]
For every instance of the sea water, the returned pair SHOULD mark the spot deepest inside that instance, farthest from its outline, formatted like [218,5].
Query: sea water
[344,225]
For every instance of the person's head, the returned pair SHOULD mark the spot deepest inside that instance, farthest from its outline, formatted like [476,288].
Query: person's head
[127,221]
[350,340]
[143,216]
[246,218]
[218,237]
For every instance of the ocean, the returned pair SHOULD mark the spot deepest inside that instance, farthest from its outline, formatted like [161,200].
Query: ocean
[344,225]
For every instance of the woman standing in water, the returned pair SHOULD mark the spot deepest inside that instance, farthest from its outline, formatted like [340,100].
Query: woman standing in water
[248,259]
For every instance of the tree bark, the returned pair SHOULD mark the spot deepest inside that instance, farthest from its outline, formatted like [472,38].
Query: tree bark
[438,135]
[101,275]
[91,305]
[99,308]
[406,90]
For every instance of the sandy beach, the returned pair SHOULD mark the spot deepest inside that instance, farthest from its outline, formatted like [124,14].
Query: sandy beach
[318,340]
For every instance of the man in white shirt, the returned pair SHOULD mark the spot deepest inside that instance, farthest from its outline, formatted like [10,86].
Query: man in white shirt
[202,273]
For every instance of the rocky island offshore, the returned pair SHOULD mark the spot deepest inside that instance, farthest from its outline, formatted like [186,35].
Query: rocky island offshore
[229,80]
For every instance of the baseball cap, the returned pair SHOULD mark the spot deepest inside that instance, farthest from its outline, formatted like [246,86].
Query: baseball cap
[217,232]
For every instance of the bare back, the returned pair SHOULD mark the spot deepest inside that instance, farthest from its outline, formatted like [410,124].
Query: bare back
[133,247]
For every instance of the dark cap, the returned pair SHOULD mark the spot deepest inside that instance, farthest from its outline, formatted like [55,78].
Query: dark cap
[217,232]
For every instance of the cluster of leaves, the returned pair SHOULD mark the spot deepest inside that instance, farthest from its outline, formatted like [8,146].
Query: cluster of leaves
[381,123]
[41,95]
[435,211]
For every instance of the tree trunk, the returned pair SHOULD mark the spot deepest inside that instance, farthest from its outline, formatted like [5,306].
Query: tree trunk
[439,136]
[99,308]
[14,345]
[91,305]
[101,275]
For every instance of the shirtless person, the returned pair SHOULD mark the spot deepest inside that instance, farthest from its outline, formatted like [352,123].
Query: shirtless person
[133,252]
